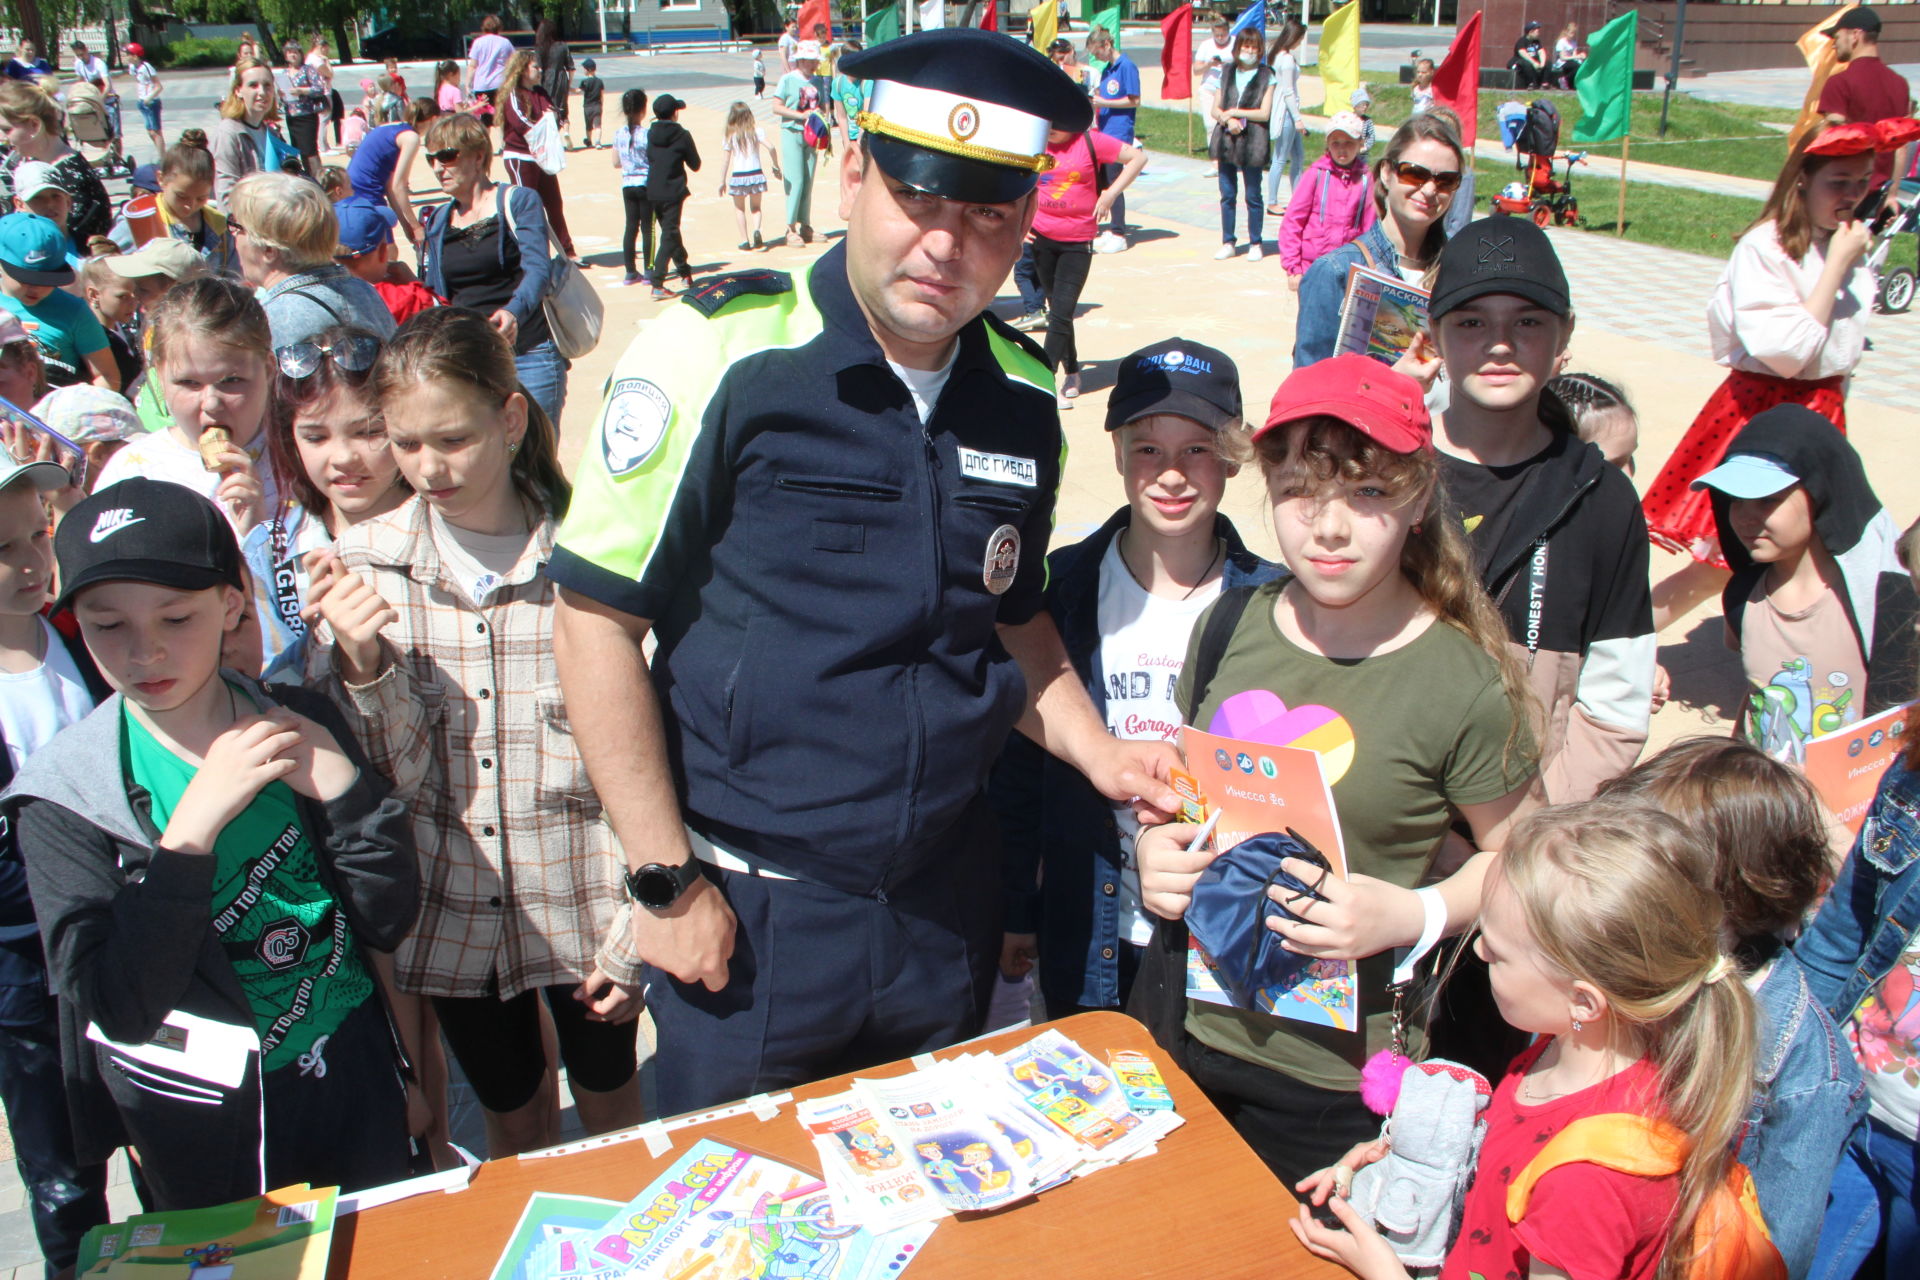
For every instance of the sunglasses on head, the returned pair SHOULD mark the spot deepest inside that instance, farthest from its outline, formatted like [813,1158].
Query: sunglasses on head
[353,354]
[1418,175]
[446,155]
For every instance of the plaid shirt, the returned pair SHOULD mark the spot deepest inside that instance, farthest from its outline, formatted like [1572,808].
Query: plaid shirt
[520,874]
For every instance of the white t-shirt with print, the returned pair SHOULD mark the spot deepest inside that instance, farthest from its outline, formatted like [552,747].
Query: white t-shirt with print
[1885,1032]
[1143,644]
[1216,55]
[36,704]
[158,456]
[149,82]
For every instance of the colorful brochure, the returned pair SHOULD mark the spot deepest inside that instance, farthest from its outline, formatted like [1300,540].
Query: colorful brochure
[1381,316]
[548,1215]
[1080,1095]
[1259,787]
[963,1155]
[719,1213]
[283,1235]
[873,1181]
[1845,766]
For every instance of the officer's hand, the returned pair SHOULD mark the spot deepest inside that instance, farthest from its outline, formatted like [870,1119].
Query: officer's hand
[1135,773]
[692,940]
[1018,951]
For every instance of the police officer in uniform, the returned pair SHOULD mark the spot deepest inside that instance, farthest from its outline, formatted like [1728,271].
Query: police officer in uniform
[827,497]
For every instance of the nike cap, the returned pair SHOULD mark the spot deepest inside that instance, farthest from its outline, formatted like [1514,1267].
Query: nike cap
[33,250]
[142,530]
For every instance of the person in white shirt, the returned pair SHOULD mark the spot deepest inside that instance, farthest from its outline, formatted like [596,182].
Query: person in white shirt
[1287,127]
[1209,62]
[147,80]
[1789,320]
[789,42]
[1126,600]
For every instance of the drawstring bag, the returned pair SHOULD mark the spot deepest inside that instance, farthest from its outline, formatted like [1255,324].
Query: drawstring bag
[1228,913]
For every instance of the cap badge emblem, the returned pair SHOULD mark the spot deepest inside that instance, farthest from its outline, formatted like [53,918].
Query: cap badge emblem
[1497,251]
[963,121]
[112,522]
[1175,359]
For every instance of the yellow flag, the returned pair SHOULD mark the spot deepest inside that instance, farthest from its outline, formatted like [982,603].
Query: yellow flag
[1045,21]
[1817,49]
[1340,57]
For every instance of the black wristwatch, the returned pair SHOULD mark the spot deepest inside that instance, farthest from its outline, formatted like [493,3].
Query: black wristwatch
[658,885]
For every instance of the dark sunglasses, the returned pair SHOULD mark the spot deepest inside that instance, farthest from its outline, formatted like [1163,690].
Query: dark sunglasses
[352,354]
[1418,175]
[446,155]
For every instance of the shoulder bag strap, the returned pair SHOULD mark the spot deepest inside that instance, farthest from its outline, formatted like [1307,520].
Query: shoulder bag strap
[1221,622]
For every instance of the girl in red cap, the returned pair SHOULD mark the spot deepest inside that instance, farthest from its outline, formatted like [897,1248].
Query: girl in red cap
[1385,637]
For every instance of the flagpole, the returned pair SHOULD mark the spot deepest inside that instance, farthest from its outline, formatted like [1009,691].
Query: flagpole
[1620,216]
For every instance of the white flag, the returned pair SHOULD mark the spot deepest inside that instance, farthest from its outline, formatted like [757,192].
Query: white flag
[933,14]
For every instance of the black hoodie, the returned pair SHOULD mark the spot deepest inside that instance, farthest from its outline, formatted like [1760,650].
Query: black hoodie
[670,153]
[1855,530]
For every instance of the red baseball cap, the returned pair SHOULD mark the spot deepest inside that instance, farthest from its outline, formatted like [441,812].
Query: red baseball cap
[1388,408]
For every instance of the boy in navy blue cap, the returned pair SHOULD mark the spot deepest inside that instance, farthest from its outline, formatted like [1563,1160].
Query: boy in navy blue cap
[1125,600]
[367,250]
[206,902]
[33,266]
[818,893]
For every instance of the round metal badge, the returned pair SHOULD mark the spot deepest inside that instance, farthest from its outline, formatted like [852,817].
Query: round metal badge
[963,121]
[1002,559]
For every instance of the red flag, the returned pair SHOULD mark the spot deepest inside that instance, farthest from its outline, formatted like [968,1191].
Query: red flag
[1176,53]
[814,14]
[1456,83]
[990,19]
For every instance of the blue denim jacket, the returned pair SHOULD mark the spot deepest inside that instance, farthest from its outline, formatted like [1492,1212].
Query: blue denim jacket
[1060,845]
[1871,914]
[1810,1098]
[1323,291]
[529,236]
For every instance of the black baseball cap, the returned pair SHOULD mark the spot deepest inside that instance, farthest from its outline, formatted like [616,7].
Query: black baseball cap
[1861,19]
[142,530]
[1176,376]
[665,105]
[1500,255]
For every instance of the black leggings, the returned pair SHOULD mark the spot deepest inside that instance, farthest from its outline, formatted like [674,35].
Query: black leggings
[497,1044]
[639,223]
[1062,266]
[672,249]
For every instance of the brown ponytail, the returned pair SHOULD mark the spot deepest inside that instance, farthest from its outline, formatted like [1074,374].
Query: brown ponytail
[459,346]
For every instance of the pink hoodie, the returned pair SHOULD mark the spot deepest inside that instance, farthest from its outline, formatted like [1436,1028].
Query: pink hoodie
[1331,206]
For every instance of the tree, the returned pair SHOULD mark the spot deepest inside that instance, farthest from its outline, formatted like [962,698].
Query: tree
[42,21]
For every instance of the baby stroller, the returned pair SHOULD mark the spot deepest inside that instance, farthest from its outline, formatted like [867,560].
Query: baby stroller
[93,119]
[1542,197]
[1893,286]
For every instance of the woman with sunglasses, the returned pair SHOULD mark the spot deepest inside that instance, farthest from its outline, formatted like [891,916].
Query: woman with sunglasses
[1413,187]
[285,234]
[486,249]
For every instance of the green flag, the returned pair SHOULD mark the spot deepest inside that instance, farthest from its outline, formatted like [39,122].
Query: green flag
[1605,81]
[883,25]
[1107,16]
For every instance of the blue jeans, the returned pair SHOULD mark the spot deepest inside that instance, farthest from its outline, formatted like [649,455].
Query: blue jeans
[1026,278]
[1289,157]
[1871,1201]
[543,374]
[1229,189]
[66,1198]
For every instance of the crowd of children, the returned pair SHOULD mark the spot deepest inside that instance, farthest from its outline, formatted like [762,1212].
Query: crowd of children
[299,592]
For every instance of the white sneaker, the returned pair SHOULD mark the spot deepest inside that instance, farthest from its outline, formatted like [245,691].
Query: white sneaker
[1224,252]
[1108,242]
[1253,252]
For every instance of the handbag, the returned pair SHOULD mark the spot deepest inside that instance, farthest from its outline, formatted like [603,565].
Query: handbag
[574,309]
[544,144]
[1228,912]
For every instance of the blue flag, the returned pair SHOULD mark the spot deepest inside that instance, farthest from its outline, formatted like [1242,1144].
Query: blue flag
[1254,16]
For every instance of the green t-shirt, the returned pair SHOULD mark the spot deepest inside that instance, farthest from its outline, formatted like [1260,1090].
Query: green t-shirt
[65,329]
[797,93]
[300,968]
[1430,728]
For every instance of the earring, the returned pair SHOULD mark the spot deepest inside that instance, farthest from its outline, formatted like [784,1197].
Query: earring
[513,449]
[1578,1026]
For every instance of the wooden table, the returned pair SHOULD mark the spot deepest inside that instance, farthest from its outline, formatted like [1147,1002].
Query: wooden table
[1202,1206]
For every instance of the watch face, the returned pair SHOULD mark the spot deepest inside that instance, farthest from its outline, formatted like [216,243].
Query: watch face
[655,886]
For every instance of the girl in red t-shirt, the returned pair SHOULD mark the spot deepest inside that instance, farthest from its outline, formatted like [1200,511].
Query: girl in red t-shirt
[1601,929]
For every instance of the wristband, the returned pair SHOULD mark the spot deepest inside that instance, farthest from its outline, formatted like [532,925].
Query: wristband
[1432,926]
